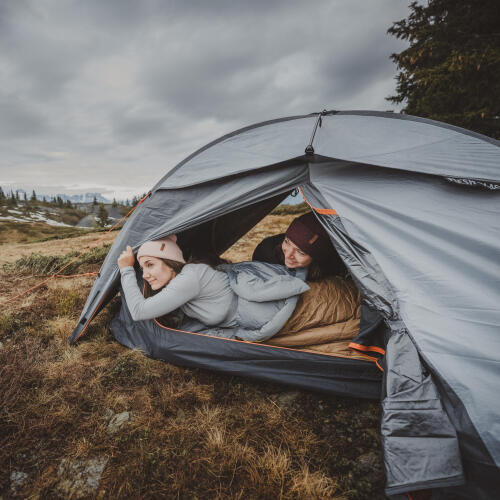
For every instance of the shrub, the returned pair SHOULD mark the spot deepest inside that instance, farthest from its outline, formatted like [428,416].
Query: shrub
[68,302]
[7,324]
[69,218]
[48,264]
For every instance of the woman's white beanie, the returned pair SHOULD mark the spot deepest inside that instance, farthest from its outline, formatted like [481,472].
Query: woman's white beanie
[166,248]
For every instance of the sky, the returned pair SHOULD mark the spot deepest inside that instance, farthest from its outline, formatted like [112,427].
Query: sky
[108,95]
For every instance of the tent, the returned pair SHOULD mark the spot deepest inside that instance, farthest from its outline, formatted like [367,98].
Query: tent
[411,205]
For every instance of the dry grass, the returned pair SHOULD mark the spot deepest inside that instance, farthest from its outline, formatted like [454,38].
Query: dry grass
[307,484]
[273,224]
[57,247]
[191,433]
[29,232]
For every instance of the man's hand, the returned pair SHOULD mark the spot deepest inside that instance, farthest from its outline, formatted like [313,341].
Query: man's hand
[126,258]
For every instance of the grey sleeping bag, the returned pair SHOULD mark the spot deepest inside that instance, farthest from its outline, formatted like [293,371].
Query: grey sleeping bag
[265,297]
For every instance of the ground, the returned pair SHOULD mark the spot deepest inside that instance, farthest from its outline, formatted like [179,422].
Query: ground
[98,420]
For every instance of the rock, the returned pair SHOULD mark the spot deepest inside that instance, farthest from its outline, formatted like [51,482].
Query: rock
[286,399]
[108,414]
[117,421]
[370,466]
[181,415]
[1,345]
[80,478]
[17,480]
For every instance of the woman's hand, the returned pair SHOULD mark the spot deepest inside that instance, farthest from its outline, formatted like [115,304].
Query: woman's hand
[126,258]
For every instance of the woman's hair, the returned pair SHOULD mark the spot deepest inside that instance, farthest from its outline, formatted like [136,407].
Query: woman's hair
[316,270]
[209,258]
[173,318]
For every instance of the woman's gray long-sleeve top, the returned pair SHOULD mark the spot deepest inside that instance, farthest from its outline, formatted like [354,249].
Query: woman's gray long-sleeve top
[198,290]
[248,300]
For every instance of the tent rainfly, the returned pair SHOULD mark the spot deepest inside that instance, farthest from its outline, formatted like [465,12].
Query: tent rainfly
[412,207]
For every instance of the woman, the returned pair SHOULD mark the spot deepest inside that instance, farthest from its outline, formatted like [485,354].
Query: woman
[250,301]
[328,316]
[198,290]
[304,245]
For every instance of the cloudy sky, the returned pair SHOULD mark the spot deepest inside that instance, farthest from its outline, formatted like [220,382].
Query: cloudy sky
[108,95]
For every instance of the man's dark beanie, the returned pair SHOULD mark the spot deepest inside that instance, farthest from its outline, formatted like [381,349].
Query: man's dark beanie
[309,235]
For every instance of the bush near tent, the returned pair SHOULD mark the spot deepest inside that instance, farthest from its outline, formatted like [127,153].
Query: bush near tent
[411,205]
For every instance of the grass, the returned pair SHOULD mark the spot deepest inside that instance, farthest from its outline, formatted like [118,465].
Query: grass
[285,209]
[48,264]
[32,232]
[192,433]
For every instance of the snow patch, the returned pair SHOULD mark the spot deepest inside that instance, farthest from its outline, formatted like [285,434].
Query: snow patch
[15,219]
[36,218]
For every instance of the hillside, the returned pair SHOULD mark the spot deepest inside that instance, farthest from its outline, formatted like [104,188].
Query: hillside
[51,215]
[30,232]
[101,421]
[82,215]
[14,219]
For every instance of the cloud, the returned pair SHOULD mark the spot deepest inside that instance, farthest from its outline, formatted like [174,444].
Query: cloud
[264,63]
[19,119]
[126,89]
[131,125]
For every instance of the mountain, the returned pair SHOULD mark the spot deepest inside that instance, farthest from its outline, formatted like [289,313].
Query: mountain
[83,198]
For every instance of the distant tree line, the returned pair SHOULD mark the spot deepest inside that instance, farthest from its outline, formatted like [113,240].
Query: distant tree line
[123,203]
[135,200]
[14,198]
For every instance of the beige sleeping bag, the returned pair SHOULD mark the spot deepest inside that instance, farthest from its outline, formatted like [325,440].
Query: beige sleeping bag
[325,319]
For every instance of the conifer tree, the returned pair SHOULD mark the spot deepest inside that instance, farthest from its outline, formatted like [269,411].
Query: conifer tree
[12,199]
[114,204]
[33,196]
[25,196]
[451,70]
[102,219]
[2,195]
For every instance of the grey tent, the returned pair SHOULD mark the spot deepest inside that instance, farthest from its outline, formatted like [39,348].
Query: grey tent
[412,207]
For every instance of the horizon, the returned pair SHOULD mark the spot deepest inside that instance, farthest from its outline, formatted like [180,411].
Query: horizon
[289,200]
